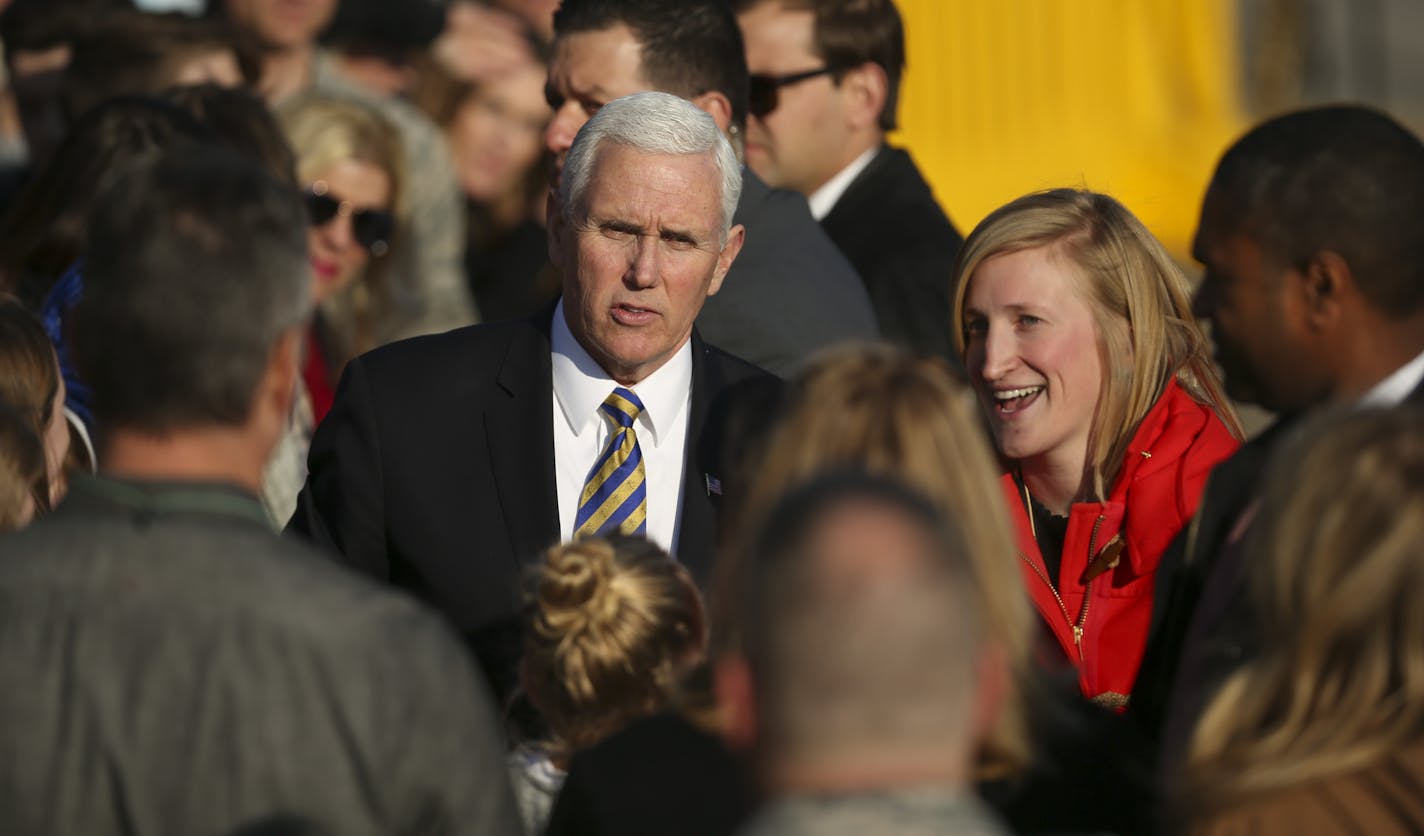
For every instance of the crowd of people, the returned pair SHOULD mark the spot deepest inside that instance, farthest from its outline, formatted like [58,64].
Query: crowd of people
[577,418]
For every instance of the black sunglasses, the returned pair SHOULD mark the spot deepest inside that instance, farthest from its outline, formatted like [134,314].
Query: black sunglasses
[762,90]
[370,227]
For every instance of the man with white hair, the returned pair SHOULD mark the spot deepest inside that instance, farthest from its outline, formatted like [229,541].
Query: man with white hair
[449,461]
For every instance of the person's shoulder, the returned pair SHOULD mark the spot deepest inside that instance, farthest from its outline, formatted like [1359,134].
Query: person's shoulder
[725,369]
[433,353]
[892,198]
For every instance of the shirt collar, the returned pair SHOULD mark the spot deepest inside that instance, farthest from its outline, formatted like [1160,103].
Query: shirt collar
[824,199]
[581,385]
[1394,389]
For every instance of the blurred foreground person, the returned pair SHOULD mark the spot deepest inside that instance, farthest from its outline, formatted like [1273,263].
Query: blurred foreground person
[1323,732]
[611,628]
[865,676]
[168,665]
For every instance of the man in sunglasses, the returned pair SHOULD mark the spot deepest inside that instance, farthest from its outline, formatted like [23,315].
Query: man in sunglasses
[791,291]
[825,80]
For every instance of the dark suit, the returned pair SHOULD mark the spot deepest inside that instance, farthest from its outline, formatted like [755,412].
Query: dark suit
[435,470]
[1200,611]
[790,291]
[890,227]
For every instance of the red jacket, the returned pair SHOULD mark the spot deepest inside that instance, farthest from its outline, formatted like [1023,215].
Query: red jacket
[1101,618]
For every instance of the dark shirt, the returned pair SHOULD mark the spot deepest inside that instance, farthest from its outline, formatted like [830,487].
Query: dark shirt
[169,665]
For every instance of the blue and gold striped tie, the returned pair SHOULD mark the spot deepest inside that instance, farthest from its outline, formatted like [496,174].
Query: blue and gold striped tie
[615,494]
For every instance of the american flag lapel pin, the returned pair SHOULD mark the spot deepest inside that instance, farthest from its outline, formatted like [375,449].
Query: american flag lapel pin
[714,485]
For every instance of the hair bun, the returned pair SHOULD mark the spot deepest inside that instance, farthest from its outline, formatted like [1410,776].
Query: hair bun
[573,587]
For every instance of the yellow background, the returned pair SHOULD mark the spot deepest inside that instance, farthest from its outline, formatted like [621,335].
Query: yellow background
[1136,98]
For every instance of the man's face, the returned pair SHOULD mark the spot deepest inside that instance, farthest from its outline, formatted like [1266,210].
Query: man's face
[283,23]
[639,255]
[588,70]
[1257,317]
[799,144]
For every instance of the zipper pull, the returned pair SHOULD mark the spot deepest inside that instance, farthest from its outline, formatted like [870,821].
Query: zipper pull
[1078,638]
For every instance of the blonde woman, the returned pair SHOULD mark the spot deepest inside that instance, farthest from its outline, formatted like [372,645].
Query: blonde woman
[611,627]
[349,166]
[1323,733]
[892,413]
[1076,329]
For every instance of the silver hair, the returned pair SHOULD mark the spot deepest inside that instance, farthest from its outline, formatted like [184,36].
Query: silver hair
[653,123]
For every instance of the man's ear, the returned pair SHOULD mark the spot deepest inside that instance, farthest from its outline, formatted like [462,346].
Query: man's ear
[718,106]
[865,90]
[736,701]
[1325,284]
[736,236]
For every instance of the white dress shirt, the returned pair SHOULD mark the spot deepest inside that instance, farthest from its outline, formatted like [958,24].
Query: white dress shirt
[1394,389]
[581,433]
[823,200]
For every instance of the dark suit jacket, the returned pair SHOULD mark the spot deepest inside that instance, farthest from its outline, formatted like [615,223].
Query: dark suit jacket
[435,471]
[790,291]
[902,244]
[1162,704]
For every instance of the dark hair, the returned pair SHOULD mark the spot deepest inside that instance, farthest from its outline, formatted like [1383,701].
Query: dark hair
[30,379]
[1344,178]
[688,48]
[44,24]
[850,33]
[242,121]
[134,53]
[40,26]
[44,230]
[196,265]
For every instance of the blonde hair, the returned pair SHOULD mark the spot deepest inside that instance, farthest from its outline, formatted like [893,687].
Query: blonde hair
[893,414]
[325,130]
[1337,580]
[611,627]
[1141,303]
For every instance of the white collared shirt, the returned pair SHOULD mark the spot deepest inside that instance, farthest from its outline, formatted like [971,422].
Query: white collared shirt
[1394,389]
[823,200]
[581,434]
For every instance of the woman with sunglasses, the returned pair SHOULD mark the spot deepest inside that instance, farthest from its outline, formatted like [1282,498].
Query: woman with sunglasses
[349,165]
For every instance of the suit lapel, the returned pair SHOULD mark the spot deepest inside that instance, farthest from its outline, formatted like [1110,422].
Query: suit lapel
[699,520]
[519,433]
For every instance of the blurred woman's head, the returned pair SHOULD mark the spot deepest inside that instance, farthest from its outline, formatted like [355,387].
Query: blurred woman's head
[894,414]
[497,132]
[495,129]
[23,471]
[1072,318]
[350,164]
[32,388]
[611,627]
[1336,579]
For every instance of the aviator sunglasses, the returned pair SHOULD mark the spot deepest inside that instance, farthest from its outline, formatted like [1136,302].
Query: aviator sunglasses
[763,91]
[370,227]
